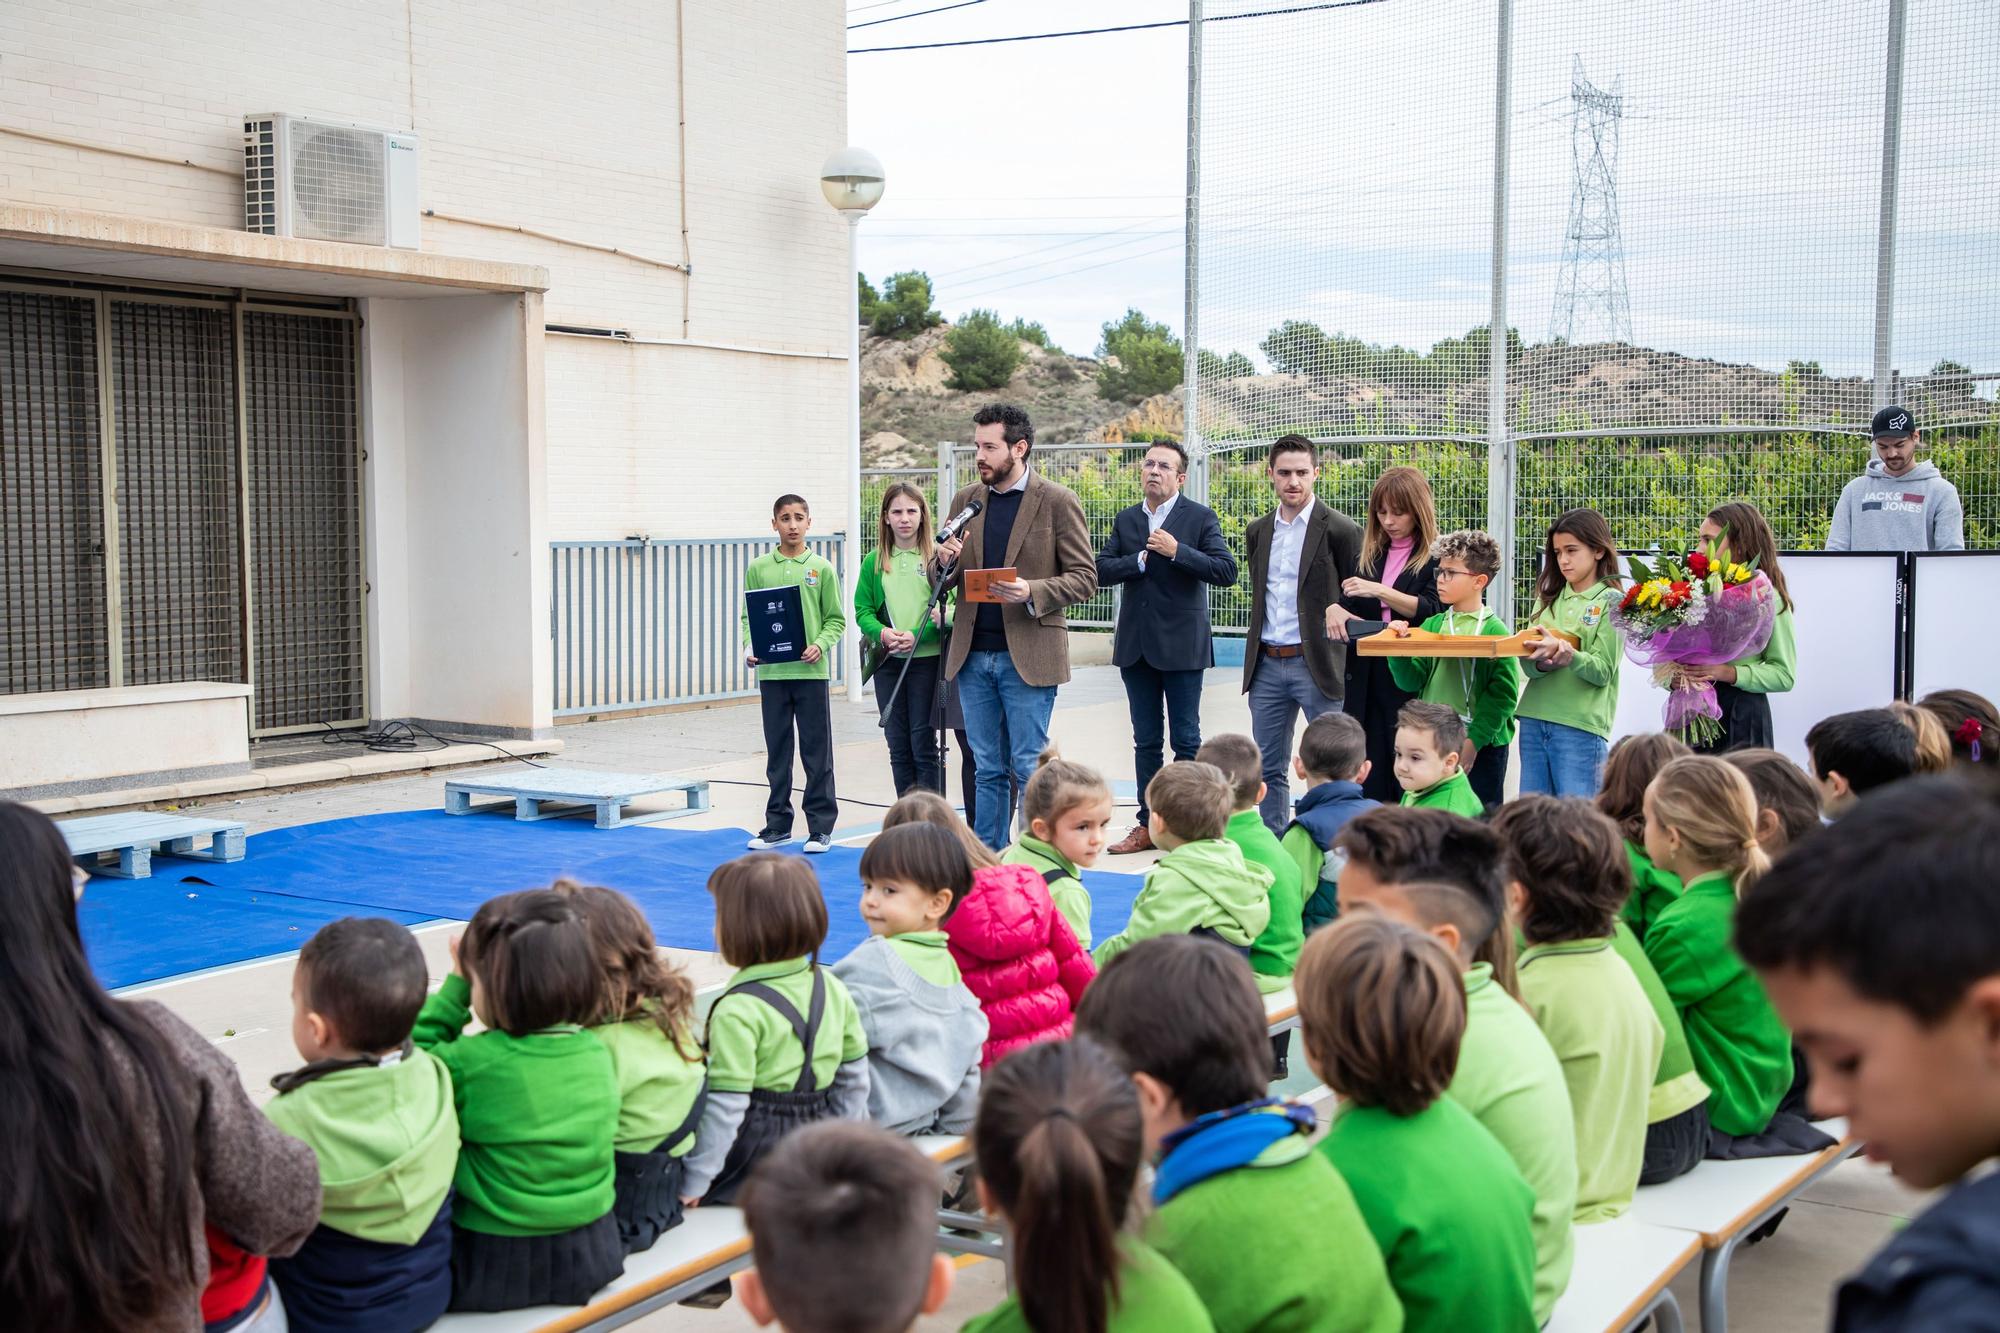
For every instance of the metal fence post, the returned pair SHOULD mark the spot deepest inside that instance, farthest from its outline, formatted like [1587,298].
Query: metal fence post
[1885,234]
[1501,522]
[1197,482]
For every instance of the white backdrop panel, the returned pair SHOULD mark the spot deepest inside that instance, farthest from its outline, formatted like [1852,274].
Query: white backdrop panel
[1954,644]
[1844,614]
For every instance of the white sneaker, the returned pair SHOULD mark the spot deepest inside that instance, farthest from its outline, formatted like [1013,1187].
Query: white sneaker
[819,842]
[764,842]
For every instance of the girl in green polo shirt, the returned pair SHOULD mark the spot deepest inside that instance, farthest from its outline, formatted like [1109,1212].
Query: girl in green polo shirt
[1060,1140]
[890,595]
[1701,824]
[1572,693]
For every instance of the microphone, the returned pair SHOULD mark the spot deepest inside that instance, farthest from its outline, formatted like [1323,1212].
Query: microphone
[958,521]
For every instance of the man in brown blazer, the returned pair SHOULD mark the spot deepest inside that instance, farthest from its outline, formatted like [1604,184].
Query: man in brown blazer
[1008,657]
[1299,554]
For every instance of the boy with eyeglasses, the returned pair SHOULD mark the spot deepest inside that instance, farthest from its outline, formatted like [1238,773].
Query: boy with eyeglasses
[1484,691]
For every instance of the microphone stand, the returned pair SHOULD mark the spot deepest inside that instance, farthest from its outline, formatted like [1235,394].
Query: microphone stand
[944,579]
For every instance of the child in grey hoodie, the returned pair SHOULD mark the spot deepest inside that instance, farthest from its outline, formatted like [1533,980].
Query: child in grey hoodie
[1898,504]
[925,1029]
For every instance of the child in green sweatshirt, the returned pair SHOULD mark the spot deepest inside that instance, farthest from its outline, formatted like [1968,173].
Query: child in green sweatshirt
[1484,691]
[1264,1228]
[1202,886]
[1634,762]
[378,1113]
[1566,878]
[537,1107]
[1430,754]
[647,1024]
[1383,1014]
[1066,812]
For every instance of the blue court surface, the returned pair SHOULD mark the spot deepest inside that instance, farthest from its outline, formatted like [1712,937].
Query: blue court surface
[424,865]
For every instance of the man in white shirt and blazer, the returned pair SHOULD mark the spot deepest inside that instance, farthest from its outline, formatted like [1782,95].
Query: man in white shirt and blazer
[1299,554]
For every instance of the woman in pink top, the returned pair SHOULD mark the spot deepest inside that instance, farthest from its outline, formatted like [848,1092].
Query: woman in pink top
[1398,581]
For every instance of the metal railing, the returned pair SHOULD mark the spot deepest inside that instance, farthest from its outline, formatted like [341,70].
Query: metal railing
[640,624]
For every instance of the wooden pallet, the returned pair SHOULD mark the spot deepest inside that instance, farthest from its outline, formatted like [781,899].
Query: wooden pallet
[552,793]
[134,837]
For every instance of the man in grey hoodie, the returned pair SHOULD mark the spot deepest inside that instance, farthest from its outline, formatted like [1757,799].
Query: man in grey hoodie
[1898,504]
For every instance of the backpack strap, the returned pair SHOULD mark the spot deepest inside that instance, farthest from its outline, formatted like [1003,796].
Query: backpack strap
[1055,875]
[1211,933]
[806,1029]
[690,1122]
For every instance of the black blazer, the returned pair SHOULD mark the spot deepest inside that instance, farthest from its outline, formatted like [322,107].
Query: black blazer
[1329,557]
[1163,615]
[1419,581]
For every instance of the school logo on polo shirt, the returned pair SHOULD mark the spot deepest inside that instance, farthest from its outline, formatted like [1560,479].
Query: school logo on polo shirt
[1893,502]
[1592,614]
[812,578]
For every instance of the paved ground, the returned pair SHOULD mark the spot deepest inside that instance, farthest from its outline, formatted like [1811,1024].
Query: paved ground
[1781,1286]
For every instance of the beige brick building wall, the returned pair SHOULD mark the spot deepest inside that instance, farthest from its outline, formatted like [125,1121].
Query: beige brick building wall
[558,117]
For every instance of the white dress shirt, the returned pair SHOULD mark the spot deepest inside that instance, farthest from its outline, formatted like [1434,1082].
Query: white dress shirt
[1155,520]
[1281,580]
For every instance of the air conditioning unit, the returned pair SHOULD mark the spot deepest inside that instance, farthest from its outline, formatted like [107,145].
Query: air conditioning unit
[325,181]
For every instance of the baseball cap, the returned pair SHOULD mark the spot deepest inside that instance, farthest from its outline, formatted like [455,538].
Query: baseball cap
[1894,422]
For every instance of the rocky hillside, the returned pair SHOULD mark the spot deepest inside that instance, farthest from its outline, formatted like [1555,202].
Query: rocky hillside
[906,407]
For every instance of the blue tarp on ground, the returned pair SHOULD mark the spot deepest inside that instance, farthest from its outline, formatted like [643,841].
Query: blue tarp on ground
[422,865]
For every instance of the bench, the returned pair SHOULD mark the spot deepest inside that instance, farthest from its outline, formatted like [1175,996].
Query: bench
[708,1246]
[553,793]
[1721,1202]
[1620,1276]
[136,835]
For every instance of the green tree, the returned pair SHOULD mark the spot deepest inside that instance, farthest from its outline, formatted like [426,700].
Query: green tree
[1297,347]
[869,298]
[1148,356]
[905,309]
[982,352]
[1946,367]
[1235,366]
[1028,331]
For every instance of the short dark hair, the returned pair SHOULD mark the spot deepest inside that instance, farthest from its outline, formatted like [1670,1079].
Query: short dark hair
[1240,761]
[532,955]
[1568,856]
[1185,1010]
[1194,800]
[778,505]
[1870,747]
[923,855]
[1291,444]
[1901,897]
[1445,727]
[1382,1010]
[1334,745]
[366,976]
[843,1223]
[768,908]
[1174,445]
[1781,787]
[1448,866]
[1013,421]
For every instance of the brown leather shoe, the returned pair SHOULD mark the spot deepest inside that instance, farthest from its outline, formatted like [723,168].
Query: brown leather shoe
[1140,839]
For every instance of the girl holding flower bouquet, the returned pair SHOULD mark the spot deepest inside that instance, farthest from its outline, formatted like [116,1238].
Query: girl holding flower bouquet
[1743,687]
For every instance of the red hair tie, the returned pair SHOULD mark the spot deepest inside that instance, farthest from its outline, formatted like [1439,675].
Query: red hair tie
[1970,732]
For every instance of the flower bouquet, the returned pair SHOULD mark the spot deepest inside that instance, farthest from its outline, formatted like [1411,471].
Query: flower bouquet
[1703,610]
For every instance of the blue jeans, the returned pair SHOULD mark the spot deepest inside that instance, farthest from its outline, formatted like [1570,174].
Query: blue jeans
[1560,761]
[1280,689]
[1148,691]
[1007,722]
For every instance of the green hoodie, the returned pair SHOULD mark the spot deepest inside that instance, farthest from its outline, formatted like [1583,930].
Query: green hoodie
[1653,890]
[1276,951]
[1059,873]
[387,1142]
[1453,794]
[1197,885]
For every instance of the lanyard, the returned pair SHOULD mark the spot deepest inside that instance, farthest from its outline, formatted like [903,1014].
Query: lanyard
[1465,667]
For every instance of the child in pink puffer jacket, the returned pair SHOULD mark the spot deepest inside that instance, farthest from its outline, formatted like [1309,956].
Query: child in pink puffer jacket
[1015,951]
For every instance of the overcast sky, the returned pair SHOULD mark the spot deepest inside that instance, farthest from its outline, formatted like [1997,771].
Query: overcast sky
[1347,161]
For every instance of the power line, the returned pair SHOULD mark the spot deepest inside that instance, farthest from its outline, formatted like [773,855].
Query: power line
[1126,27]
[898,18]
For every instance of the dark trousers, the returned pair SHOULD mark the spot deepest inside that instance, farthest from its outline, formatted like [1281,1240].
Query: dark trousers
[912,740]
[802,704]
[1488,775]
[1675,1146]
[1161,702]
[1746,720]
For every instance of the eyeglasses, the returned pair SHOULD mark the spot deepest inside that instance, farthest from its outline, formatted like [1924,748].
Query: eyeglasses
[1150,466]
[1444,573]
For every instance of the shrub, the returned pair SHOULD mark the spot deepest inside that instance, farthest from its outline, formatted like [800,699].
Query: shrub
[1148,358]
[904,309]
[982,352]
